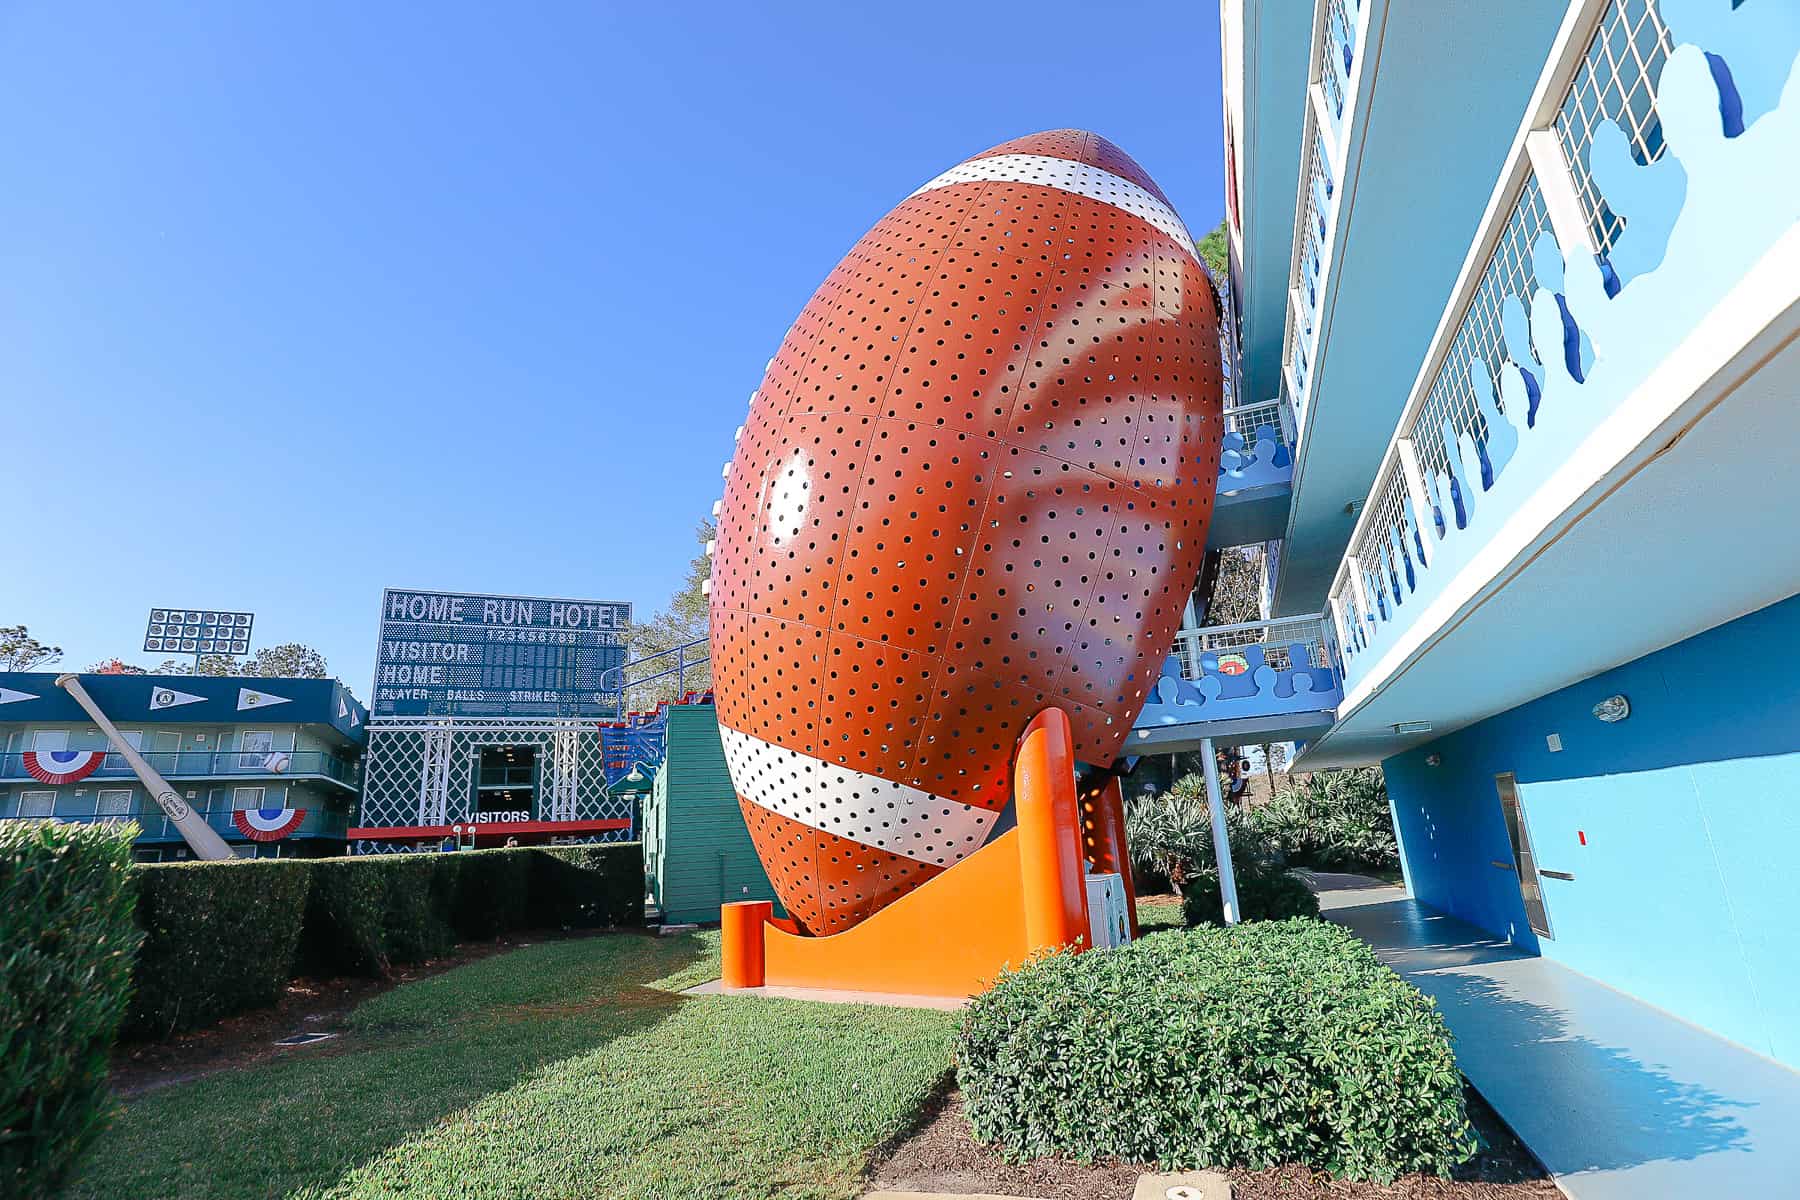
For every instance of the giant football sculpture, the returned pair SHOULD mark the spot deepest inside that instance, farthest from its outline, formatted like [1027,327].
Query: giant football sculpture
[957,537]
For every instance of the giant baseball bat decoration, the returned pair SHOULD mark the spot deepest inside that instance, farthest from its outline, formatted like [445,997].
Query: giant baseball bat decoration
[193,828]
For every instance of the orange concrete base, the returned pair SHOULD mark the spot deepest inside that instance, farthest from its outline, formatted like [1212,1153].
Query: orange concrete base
[950,937]
[1023,891]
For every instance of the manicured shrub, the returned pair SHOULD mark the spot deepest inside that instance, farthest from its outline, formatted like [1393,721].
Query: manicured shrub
[491,891]
[219,937]
[1264,892]
[344,932]
[588,887]
[66,944]
[1256,1045]
[421,889]
[225,937]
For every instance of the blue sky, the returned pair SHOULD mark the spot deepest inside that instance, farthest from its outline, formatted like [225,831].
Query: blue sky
[298,301]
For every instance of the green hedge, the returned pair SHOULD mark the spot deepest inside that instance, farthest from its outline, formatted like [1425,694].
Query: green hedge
[224,937]
[1256,1045]
[66,942]
[1264,892]
[587,887]
[219,937]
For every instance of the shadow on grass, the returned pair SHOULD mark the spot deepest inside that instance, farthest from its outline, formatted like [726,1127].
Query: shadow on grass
[300,1126]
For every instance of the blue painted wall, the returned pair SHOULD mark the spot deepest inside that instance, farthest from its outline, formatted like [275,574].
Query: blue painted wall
[1687,893]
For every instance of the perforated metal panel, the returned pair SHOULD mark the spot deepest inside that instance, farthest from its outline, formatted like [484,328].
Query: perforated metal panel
[975,481]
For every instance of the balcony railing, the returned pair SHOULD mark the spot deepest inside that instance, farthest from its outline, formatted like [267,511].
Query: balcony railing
[154,826]
[1330,97]
[1258,446]
[1545,336]
[1257,669]
[212,764]
[1336,57]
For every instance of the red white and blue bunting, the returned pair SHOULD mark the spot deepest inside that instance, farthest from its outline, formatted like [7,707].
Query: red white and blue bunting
[63,766]
[267,824]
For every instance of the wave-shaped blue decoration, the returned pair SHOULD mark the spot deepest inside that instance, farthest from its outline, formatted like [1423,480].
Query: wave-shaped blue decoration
[1694,222]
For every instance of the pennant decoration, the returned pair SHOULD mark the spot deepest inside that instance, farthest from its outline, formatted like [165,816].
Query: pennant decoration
[249,698]
[267,824]
[170,698]
[9,696]
[62,766]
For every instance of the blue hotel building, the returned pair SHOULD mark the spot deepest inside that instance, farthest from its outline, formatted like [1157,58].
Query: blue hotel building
[275,765]
[1521,282]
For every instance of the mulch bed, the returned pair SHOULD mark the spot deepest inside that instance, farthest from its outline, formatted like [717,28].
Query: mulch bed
[306,1006]
[941,1156]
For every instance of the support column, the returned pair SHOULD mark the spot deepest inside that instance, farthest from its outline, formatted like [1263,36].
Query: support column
[1215,803]
[1103,837]
[1053,888]
[741,942]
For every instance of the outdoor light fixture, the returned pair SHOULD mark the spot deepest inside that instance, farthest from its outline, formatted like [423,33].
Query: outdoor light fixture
[1613,709]
[1434,760]
[1412,726]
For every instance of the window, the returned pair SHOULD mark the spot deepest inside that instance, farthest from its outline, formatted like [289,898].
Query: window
[254,747]
[113,803]
[246,798]
[37,804]
[47,740]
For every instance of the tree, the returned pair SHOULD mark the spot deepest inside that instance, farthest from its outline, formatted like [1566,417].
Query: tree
[682,622]
[1215,252]
[19,651]
[290,660]
[210,664]
[115,666]
[1237,591]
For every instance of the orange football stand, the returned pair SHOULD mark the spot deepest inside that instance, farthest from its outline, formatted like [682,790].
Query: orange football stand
[1023,892]
[1103,835]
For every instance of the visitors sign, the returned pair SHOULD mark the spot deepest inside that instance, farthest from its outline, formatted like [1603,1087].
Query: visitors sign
[456,654]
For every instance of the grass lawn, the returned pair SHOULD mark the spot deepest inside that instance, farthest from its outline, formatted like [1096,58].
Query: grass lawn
[565,1069]
[1160,912]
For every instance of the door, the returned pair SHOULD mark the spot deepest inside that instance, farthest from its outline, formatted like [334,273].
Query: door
[1524,864]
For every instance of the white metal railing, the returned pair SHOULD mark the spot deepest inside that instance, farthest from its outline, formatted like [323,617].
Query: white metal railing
[1480,336]
[1248,419]
[1616,81]
[1276,637]
[1337,55]
[1312,219]
[1442,455]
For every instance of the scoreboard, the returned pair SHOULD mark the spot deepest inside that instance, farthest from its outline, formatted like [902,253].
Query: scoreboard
[455,654]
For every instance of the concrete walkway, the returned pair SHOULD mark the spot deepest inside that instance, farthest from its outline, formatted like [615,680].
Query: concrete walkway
[1618,1099]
